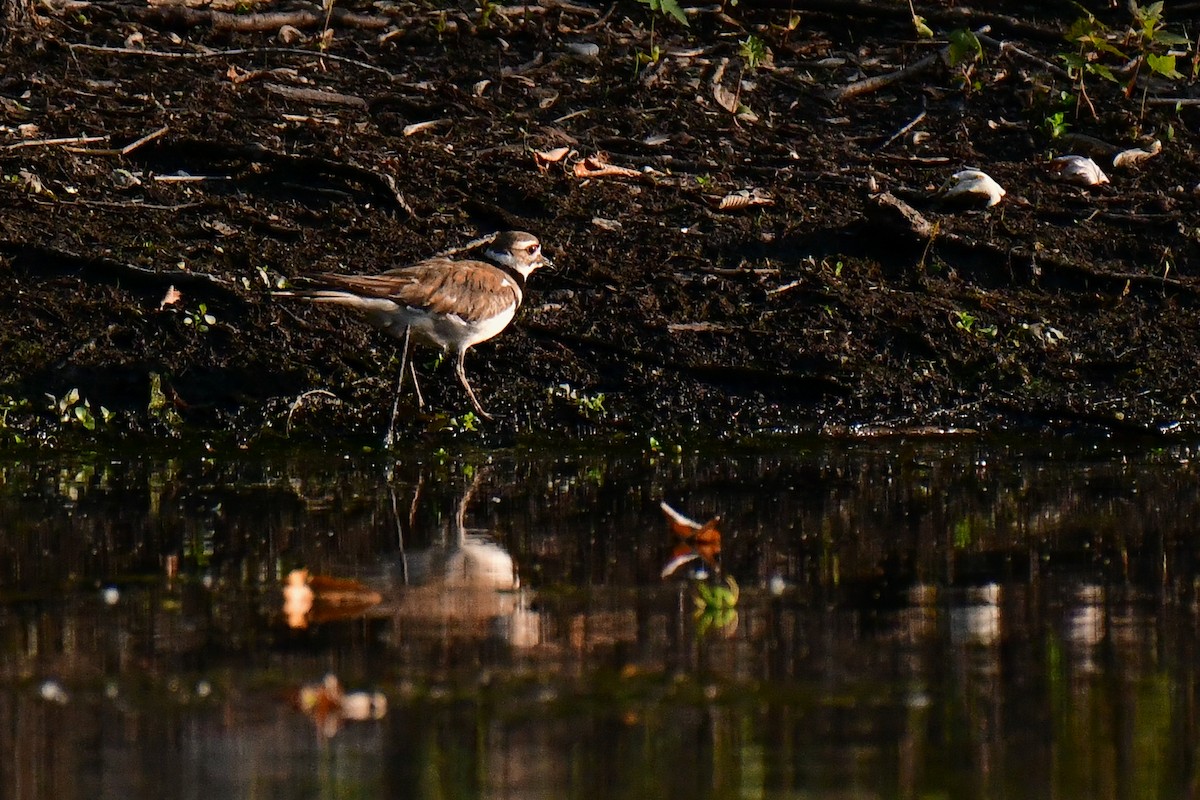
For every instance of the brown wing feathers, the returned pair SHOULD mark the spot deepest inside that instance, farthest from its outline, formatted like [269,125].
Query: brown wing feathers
[472,290]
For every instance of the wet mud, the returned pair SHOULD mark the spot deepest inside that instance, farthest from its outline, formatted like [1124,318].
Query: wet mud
[738,277]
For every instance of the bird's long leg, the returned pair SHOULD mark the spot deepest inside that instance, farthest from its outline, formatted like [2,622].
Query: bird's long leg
[412,368]
[404,365]
[462,377]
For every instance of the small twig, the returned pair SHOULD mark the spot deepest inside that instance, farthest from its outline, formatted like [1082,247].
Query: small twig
[189,178]
[245,51]
[119,151]
[131,204]
[150,137]
[1009,47]
[471,245]
[1172,101]
[785,288]
[877,82]
[53,142]
[263,22]
[915,121]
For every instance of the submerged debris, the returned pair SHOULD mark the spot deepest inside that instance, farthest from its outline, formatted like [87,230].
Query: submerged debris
[309,599]
[330,707]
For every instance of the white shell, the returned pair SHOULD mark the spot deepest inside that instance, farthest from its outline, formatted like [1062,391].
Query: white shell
[971,185]
[1079,170]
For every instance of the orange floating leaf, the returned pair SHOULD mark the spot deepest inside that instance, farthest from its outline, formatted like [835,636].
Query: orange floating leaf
[695,540]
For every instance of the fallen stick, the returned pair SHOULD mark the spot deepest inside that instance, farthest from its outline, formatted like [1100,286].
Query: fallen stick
[150,137]
[877,82]
[915,121]
[259,23]
[244,51]
[1009,47]
[319,96]
[120,151]
[55,142]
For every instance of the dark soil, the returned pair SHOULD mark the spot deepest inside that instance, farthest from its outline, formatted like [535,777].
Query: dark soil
[1060,307]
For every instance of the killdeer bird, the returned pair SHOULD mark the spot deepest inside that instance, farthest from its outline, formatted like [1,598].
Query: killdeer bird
[454,304]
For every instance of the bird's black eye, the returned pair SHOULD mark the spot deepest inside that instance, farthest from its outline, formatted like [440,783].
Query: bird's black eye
[533,248]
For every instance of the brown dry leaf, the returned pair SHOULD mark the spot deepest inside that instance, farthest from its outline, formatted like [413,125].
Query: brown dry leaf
[744,199]
[289,34]
[725,99]
[1136,155]
[598,167]
[172,297]
[418,127]
[544,158]
[238,76]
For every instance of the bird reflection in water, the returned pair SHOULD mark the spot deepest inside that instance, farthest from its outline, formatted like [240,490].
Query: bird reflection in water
[465,585]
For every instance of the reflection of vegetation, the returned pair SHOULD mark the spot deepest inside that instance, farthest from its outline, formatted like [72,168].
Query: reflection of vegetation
[716,605]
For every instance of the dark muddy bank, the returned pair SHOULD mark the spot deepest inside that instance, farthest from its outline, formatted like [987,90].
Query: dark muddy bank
[222,162]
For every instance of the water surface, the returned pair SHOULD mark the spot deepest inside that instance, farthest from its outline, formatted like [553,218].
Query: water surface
[935,618]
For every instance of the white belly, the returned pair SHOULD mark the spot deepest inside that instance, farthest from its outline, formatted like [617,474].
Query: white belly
[450,332]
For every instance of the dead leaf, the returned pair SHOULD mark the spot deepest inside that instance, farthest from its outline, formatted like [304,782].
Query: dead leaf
[289,35]
[603,224]
[725,99]
[1136,155]
[32,183]
[544,158]
[480,87]
[172,297]
[744,199]
[418,127]
[598,167]
[237,76]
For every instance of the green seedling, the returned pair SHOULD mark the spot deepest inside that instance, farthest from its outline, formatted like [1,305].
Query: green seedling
[200,319]
[754,51]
